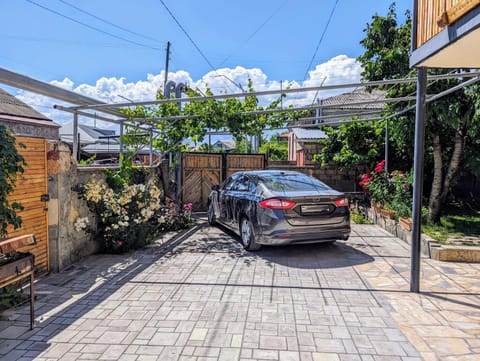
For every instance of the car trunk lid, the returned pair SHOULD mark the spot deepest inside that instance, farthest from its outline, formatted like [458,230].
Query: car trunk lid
[313,209]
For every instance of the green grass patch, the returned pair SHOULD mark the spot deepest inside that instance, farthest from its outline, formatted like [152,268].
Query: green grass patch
[455,225]
[358,217]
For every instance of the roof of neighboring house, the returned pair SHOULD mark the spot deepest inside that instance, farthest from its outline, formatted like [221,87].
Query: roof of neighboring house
[10,105]
[343,101]
[225,144]
[308,134]
[113,149]
[87,134]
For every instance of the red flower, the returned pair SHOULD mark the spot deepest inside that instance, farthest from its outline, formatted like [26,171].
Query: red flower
[380,166]
[366,178]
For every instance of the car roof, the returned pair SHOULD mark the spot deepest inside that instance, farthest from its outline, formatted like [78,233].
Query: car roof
[260,173]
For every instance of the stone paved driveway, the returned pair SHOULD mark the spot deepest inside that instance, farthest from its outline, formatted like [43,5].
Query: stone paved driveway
[201,297]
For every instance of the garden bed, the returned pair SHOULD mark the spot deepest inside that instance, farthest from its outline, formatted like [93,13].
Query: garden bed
[431,248]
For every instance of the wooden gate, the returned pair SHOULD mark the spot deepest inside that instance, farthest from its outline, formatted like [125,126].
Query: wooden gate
[200,171]
[29,189]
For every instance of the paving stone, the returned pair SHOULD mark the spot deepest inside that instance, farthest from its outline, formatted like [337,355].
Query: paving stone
[164,339]
[265,354]
[273,343]
[153,319]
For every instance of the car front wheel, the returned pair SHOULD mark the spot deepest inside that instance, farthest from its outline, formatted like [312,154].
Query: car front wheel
[247,235]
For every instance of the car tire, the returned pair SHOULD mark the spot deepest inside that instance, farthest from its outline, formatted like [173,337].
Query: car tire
[212,220]
[247,235]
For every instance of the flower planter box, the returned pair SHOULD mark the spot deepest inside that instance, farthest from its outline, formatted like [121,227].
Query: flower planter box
[405,223]
[375,207]
[387,213]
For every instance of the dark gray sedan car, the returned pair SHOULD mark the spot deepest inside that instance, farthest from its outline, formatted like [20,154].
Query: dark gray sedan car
[279,207]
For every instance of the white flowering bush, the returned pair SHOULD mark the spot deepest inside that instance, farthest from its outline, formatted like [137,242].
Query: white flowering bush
[130,216]
[123,217]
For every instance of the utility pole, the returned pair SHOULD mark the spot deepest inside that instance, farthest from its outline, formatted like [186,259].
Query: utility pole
[167,60]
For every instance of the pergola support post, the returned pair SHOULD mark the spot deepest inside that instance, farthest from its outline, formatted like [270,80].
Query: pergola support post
[121,143]
[418,168]
[75,137]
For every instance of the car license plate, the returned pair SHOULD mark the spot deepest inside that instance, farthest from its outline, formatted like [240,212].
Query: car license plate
[315,209]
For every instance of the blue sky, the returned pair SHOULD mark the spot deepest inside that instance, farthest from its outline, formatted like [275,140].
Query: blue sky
[121,49]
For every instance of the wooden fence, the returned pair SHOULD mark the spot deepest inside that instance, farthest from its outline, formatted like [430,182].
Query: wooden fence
[30,191]
[200,171]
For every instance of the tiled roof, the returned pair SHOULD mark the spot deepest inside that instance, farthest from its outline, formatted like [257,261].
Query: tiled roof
[343,101]
[9,105]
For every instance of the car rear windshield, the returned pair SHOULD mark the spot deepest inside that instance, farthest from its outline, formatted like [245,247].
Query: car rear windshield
[292,183]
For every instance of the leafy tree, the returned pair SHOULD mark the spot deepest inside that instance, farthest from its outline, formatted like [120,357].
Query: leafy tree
[274,148]
[355,145]
[11,164]
[452,121]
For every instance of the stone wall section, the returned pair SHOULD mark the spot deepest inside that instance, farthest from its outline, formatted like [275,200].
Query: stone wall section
[67,245]
[343,181]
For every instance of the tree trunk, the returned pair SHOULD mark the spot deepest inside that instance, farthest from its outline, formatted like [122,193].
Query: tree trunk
[165,179]
[454,166]
[441,187]
[434,204]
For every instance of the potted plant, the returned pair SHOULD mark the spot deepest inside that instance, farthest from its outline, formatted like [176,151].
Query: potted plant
[403,197]
[380,189]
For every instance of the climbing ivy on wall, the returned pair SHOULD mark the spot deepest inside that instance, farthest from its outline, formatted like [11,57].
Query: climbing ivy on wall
[11,164]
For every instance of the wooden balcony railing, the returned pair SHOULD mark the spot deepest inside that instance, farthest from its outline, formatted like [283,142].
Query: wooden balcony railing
[435,15]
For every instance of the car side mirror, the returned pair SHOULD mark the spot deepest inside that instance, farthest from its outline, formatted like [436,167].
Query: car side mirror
[215,187]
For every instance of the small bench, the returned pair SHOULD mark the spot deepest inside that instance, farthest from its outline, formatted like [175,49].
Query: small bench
[15,266]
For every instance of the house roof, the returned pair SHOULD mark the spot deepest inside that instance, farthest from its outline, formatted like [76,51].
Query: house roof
[308,134]
[113,149]
[87,134]
[226,144]
[10,105]
[344,100]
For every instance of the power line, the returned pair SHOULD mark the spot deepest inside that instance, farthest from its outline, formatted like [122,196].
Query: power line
[321,38]
[92,27]
[256,31]
[108,22]
[64,41]
[188,36]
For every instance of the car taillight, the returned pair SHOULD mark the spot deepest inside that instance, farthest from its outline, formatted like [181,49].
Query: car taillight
[342,202]
[277,203]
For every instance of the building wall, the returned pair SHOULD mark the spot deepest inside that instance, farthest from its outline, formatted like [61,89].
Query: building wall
[309,149]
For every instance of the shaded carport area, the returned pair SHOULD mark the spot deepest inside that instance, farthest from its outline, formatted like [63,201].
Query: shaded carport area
[200,296]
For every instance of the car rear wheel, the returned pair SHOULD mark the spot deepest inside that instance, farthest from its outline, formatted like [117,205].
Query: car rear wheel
[247,235]
[212,220]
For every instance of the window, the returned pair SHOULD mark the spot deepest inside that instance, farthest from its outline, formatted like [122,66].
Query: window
[242,184]
[293,183]
[229,182]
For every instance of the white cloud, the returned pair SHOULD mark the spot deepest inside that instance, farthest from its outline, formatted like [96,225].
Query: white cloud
[338,70]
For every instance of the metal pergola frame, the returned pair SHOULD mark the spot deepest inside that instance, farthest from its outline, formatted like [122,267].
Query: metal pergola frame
[83,103]
[114,108]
